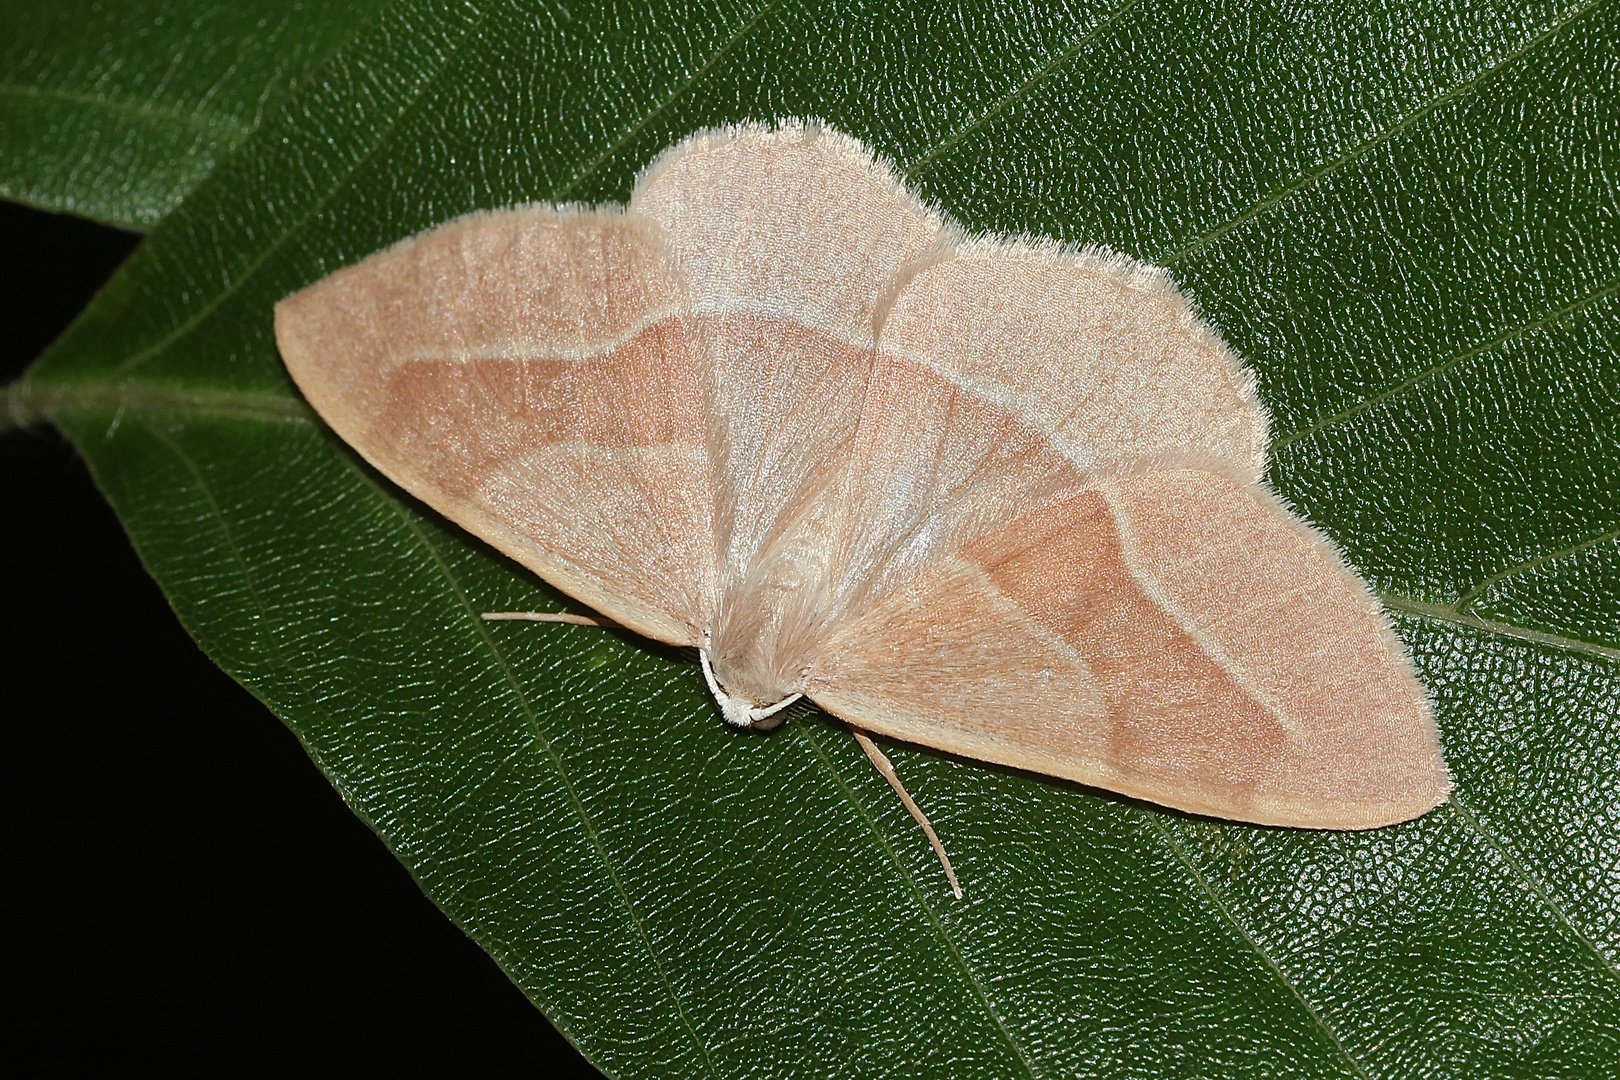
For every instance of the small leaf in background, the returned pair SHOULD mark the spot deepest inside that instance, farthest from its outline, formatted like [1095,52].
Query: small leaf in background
[1404,218]
[115,110]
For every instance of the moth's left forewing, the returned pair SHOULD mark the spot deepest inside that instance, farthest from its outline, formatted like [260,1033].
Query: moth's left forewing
[527,374]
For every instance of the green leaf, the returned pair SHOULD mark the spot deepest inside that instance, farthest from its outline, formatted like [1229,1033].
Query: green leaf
[116,110]
[1404,216]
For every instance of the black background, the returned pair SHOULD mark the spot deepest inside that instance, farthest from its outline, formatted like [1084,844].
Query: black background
[186,888]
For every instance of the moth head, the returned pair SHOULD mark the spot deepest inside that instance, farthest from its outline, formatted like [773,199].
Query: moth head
[740,711]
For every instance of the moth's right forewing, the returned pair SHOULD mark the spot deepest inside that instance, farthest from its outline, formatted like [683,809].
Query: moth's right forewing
[1097,585]
[1171,636]
[1276,610]
[527,374]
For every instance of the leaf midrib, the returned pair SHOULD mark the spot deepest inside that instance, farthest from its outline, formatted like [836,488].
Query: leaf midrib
[28,401]
[217,124]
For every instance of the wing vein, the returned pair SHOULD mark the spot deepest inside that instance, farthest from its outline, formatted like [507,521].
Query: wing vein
[1199,634]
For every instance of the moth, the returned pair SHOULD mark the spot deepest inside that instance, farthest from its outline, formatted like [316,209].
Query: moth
[995,496]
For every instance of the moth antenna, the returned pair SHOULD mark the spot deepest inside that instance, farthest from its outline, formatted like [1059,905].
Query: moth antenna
[884,766]
[545,616]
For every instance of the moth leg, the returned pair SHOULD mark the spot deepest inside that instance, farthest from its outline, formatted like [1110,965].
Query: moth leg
[881,760]
[545,616]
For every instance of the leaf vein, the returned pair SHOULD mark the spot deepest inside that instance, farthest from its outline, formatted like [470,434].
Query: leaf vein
[1001,104]
[447,56]
[414,526]
[549,753]
[27,402]
[1226,913]
[195,121]
[1367,145]
[1536,563]
[669,99]
[1436,370]
[230,288]
[804,732]
[1397,602]
[291,672]
[1465,813]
